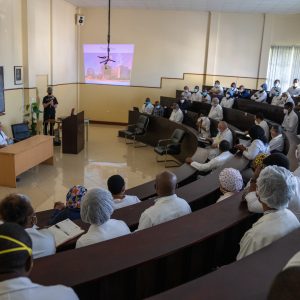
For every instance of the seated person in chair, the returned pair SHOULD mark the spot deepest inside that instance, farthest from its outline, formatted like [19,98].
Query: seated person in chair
[277,142]
[261,95]
[216,111]
[4,139]
[203,125]
[197,95]
[290,121]
[243,93]
[50,104]
[147,107]
[228,100]
[217,90]
[205,98]
[177,114]
[158,110]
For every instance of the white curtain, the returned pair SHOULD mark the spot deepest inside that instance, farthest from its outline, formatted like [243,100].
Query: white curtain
[280,66]
[296,64]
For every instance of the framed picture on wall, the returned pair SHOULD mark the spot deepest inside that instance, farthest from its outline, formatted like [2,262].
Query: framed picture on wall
[18,75]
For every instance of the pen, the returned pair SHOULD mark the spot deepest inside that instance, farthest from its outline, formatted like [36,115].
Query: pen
[61,229]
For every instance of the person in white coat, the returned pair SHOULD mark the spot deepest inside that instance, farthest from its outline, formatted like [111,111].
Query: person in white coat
[167,206]
[276,99]
[203,125]
[206,98]
[147,107]
[259,143]
[259,120]
[197,95]
[275,189]
[214,163]
[228,100]
[217,89]
[294,90]
[216,111]
[177,114]
[275,89]
[290,121]
[16,208]
[96,209]
[186,94]
[261,95]
[285,98]
[116,185]
[15,266]
[276,144]
[280,160]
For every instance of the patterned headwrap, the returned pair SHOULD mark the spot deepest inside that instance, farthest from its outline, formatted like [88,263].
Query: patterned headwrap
[75,195]
[231,180]
[258,160]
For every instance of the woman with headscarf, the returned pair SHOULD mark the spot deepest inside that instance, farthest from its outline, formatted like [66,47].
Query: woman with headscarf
[72,209]
[231,182]
[275,188]
[96,209]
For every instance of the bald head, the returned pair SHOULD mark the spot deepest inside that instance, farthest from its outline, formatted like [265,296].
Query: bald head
[165,183]
[222,126]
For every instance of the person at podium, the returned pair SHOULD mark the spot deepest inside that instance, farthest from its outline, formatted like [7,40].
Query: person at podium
[50,104]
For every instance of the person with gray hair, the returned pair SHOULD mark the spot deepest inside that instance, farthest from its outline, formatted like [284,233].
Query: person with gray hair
[177,114]
[275,188]
[216,111]
[96,209]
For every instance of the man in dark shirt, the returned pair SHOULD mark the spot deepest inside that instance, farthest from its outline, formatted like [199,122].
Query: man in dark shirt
[50,103]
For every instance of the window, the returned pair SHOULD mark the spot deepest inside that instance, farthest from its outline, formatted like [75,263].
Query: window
[284,64]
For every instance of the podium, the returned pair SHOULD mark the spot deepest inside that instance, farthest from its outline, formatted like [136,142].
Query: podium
[73,133]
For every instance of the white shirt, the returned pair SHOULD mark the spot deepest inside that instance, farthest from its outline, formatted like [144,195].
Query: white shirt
[205,132]
[186,95]
[176,116]
[22,288]
[290,122]
[294,91]
[276,100]
[206,99]
[269,228]
[216,113]
[277,143]
[164,209]
[127,200]
[43,242]
[226,195]
[225,135]
[3,138]
[274,91]
[294,205]
[148,109]
[215,163]
[264,125]
[196,96]
[259,96]
[256,147]
[294,261]
[228,103]
[98,233]
[217,90]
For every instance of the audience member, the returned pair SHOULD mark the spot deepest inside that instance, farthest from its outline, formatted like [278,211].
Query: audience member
[72,209]
[233,89]
[231,182]
[261,95]
[96,209]
[277,97]
[216,111]
[285,98]
[184,104]
[147,107]
[116,185]
[16,264]
[4,139]
[259,143]
[205,97]
[275,89]
[294,90]
[167,206]
[217,89]
[16,208]
[243,93]
[259,120]
[277,142]
[228,100]
[186,94]
[197,95]
[203,125]
[216,162]
[158,110]
[275,189]
[177,114]
[290,121]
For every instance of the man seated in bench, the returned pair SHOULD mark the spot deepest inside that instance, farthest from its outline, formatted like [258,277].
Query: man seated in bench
[290,121]
[16,208]
[216,111]
[214,163]
[277,142]
[275,186]
[167,206]
[116,185]
[96,209]
[261,95]
[260,121]
[177,114]
[15,266]
[4,139]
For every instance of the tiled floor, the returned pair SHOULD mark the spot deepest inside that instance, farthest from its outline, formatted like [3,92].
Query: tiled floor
[104,155]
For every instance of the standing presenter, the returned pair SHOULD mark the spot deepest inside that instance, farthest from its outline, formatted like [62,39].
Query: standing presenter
[50,104]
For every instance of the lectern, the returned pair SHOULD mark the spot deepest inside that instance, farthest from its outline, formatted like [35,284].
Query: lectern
[73,133]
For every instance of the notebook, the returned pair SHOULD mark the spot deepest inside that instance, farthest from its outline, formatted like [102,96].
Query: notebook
[64,231]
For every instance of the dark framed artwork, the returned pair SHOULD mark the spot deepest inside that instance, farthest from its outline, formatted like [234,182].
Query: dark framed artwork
[18,71]
[2,102]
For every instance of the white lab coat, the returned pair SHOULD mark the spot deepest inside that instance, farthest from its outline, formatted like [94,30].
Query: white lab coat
[147,109]
[277,143]
[276,100]
[98,233]
[294,261]
[206,99]
[186,95]
[256,147]
[22,288]
[290,122]
[126,201]
[225,196]
[216,113]
[43,242]
[217,90]
[205,132]
[264,125]
[225,135]
[176,116]
[259,96]
[165,209]
[196,96]
[274,91]
[294,91]
[269,228]
[3,138]
[228,103]
[213,164]
[280,101]
[294,205]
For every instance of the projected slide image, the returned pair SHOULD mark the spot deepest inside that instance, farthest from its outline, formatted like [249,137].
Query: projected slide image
[117,73]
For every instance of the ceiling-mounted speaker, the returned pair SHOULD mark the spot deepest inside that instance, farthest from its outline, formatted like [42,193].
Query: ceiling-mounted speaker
[80,20]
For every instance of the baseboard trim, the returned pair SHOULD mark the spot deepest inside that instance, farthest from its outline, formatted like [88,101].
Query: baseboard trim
[108,123]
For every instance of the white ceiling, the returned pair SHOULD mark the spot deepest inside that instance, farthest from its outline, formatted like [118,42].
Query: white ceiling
[255,6]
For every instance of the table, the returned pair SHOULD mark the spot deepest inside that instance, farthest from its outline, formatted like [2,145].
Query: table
[20,157]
